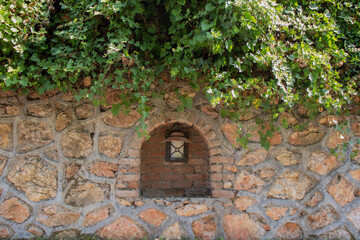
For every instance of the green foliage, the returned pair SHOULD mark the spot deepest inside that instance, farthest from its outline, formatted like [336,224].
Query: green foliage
[267,54]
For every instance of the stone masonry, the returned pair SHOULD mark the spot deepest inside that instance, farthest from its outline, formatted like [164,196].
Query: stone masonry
[69,168]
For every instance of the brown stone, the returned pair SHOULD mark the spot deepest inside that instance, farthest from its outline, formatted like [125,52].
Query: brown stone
[355,154]
[12,110]
[40,110]
[33,135]
[65,234]
[265,173]
[355,174]
[56,215]
[35,230]
[6,231]
[84,111]
[253,157]
[248,182]
[337,234]
[110,145]
[86,192]
[322,162]
[3,161]
[255,129]
[68,97]
[247,114]
[302,111]
[210,111]
[309,136]
[336,139]
[15,210]
[292,184]
[98,215]
[243,203]
[354,217]
[172,232]
[341,190]
[204,228]
[124,202]
[63,119]
[191,209]
[34,176]
[77,144]
[153,216]
[123,228]
[289,231]
[356,128]
[287,119]
[52,154]
[231,132]
[325,216]
[122,120]
[5,136]
[315,199]
[104,169]
[331,120]
[242,227]
[276,212]
[287,157]
[71,170]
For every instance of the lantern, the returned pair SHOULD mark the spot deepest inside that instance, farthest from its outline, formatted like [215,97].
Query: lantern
[176,147]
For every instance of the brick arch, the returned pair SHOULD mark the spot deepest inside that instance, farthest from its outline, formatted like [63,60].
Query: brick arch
[160,178]
[217,161]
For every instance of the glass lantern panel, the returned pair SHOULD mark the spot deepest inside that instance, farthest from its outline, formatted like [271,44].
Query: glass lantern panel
[177,149]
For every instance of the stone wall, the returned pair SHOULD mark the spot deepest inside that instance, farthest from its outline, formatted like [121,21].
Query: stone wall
[69,168]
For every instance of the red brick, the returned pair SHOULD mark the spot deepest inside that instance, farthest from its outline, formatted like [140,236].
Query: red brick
[161,169]
[146,184]
[173,177]
[182,184]
[201,184]
[211,135]
[133,153]
[229,177]
[222,159]
[183,169]
[201,169]
[215,151]
[222,177]
[127,193]
[200,122]
[198,161]
[197,146]
[157,153]
[128,161]
[152,161]
[161,185]
[216,177]
[134,169]
[128,178]
[216,185]
[191,118]
[199,154]
[214,143]
[150,177]
[222,194]
[134,184]
[196,176]
[135,144]
[216,168]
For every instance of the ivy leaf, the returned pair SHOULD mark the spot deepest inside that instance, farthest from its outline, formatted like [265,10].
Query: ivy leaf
[205,25]
[115,108]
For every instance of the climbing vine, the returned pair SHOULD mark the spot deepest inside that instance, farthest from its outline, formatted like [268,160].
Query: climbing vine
[267,54]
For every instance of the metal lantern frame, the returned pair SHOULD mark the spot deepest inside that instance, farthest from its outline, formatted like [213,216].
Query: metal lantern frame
[179,136]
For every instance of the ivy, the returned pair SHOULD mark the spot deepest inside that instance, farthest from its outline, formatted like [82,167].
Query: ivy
[267,54]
